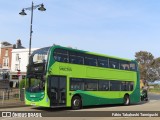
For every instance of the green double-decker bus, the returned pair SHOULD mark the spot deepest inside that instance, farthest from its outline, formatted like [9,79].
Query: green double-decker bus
[64,77]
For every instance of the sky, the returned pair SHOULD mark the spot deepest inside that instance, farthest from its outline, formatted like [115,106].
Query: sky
[112,27]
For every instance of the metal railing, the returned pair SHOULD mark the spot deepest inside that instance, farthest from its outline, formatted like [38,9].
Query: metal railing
[9,97]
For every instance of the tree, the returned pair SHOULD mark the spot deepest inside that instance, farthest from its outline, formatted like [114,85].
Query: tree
[145,61]
[155,68]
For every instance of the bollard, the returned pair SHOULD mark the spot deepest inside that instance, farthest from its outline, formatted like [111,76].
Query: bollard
[8,94]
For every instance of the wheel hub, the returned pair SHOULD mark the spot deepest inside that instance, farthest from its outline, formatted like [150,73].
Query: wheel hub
[76,102]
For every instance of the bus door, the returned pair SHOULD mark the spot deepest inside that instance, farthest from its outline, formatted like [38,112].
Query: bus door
[57,90]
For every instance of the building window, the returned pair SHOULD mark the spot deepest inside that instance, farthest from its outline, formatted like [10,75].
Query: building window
[6,52]
[16,67]
[4,62]
[17,57]
[7,62]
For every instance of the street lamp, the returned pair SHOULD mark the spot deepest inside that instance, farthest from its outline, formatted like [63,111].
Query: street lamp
[19,75]
[41,8]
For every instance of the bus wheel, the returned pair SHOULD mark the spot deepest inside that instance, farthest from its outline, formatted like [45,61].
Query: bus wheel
[126,100]
[76,103]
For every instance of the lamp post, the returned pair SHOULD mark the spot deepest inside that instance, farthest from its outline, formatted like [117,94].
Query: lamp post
[19,76]
[41,8]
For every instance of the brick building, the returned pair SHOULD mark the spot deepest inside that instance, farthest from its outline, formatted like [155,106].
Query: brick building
[6,53]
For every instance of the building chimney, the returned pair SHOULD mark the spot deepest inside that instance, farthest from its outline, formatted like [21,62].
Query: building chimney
[19,44]
[14,46]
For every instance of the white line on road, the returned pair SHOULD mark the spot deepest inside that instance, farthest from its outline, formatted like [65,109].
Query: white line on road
[153,100]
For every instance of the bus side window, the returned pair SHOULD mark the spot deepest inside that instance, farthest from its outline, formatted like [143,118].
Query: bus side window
[91,85]
[131,86]
[61,55]
[103,85]
[75,58]
[123,86]
[76,84]
[57,58]
[103,62]
[90,60]
[115,85]
[65,59]
[113,63]
[132,66]
[124,65]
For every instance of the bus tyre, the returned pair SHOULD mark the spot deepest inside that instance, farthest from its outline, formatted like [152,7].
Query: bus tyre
[126,100]
[76,103]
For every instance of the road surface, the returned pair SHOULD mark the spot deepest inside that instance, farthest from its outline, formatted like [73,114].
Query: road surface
[152,105]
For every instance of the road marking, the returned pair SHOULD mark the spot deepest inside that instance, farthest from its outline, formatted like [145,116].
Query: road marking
[153,100]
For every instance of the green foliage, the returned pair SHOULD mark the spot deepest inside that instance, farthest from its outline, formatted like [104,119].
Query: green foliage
[156,89]
[148,65]
[157,86]
[144,57]
[22,84]
[145,60]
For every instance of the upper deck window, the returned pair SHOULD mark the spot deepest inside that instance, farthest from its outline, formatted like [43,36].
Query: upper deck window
[90,60]
[40,55]
[61,55]
[102,62]
[113,63]
[133,67]
[76,58]
[124,65]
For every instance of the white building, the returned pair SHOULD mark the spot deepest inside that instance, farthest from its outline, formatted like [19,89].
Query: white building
[19,62]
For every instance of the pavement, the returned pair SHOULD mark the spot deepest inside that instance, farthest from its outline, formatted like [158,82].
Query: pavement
[12,105]
[10,98]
